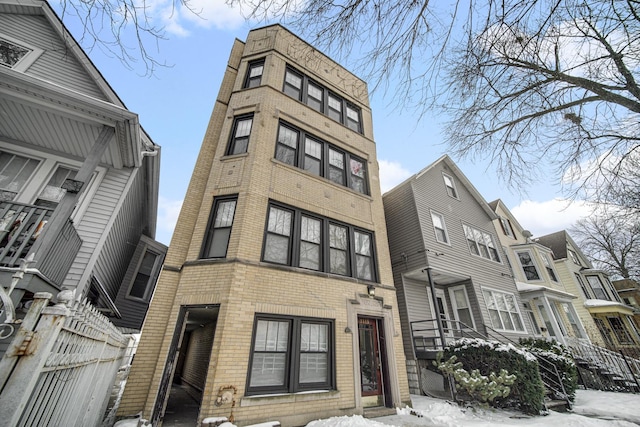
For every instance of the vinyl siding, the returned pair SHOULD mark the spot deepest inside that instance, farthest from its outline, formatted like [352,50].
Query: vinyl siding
[133,310]
[402,225]
[56,64]
[429,193]
[93,226]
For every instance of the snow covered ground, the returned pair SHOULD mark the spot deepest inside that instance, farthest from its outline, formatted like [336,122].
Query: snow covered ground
[591,409]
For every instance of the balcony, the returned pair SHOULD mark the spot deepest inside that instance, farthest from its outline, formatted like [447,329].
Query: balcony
[21,226]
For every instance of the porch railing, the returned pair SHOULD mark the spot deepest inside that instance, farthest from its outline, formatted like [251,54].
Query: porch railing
[21,225]
[605,369]
[427,339]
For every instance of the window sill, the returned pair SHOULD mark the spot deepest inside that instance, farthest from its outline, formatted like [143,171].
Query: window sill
[275,399]
[234,156]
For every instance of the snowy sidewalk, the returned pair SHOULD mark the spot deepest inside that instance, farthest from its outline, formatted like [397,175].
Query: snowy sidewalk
[591,409]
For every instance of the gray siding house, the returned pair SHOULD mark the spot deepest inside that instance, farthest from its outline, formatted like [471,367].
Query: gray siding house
[78,174]
[451,274]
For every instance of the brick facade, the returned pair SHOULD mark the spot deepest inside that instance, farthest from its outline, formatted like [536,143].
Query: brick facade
[237,287]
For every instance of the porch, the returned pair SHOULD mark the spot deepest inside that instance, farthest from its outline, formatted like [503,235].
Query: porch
[24,231]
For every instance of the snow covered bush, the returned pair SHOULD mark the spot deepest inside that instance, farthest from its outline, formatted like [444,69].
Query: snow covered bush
[484,388]
[561,357]
[487,357]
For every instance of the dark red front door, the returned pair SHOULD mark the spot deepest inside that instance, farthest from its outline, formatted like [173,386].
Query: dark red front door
[370,369]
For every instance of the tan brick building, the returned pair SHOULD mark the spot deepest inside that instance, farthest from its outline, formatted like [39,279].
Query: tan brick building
[276,300]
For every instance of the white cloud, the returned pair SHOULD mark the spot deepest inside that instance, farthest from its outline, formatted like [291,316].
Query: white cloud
[168,211]
[391,174]
[549,216]
[212,13]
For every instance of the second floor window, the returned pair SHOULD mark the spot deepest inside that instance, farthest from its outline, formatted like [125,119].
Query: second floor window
[143,282]
[303,150]
[528,266]
[15,171]
[239,140]
[216,240]
[302,239]
[585,291]
[549,267]
[439,227]
[597,288]
[481,243]
[11,53]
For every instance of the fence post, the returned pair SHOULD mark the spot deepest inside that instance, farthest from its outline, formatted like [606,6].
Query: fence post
[40,301]
[24,377]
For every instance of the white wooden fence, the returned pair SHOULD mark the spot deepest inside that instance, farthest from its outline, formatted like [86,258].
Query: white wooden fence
[60,366]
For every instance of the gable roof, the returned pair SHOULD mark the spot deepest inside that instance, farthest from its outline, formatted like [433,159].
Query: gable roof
[558,242]
[461,178]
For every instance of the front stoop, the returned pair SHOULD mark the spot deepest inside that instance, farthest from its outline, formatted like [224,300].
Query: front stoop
[378,411]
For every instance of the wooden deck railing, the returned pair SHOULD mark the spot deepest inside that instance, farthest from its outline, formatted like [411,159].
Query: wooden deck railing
[21,225]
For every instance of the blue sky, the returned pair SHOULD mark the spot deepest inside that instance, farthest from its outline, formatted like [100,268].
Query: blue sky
[175,103]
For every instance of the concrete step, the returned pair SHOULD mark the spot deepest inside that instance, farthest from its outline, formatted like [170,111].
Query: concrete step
[378,411]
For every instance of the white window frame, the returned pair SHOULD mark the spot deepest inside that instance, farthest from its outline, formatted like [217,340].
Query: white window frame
[43,173]
[444,229]
[454,304]
[452,187]
[515,303]
[548,265]
[607,297]
[26,61]
[153,276]
[485,235]
[533,262]
[506,227]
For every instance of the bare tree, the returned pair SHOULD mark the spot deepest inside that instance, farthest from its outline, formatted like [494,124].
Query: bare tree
[528,84]
[612,241]
[123,29]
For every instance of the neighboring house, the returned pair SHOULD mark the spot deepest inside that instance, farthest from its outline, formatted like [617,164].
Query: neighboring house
[629,292]
[600,301]
[276,300]
[78,175]
[448,264]
[548,303]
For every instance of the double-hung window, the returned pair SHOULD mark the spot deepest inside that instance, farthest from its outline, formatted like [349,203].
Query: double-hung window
[239,140]
[585,289]
[303,150]
[597,288]
[143,282]
[450,186]
[506,226]
[291,354]
[528,266]
[549,267]
[293,84]
[439,227]
[216,241]
[302,88]
[254,74]
[481,243]
[301,239]
[503,311]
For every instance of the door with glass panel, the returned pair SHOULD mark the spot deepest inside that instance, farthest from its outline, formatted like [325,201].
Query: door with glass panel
[371,377]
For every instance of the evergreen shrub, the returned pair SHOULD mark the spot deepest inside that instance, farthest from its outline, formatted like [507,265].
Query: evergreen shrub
[560,356]
[490,357]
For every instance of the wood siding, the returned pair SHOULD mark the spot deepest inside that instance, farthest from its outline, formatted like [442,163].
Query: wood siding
[56,64]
